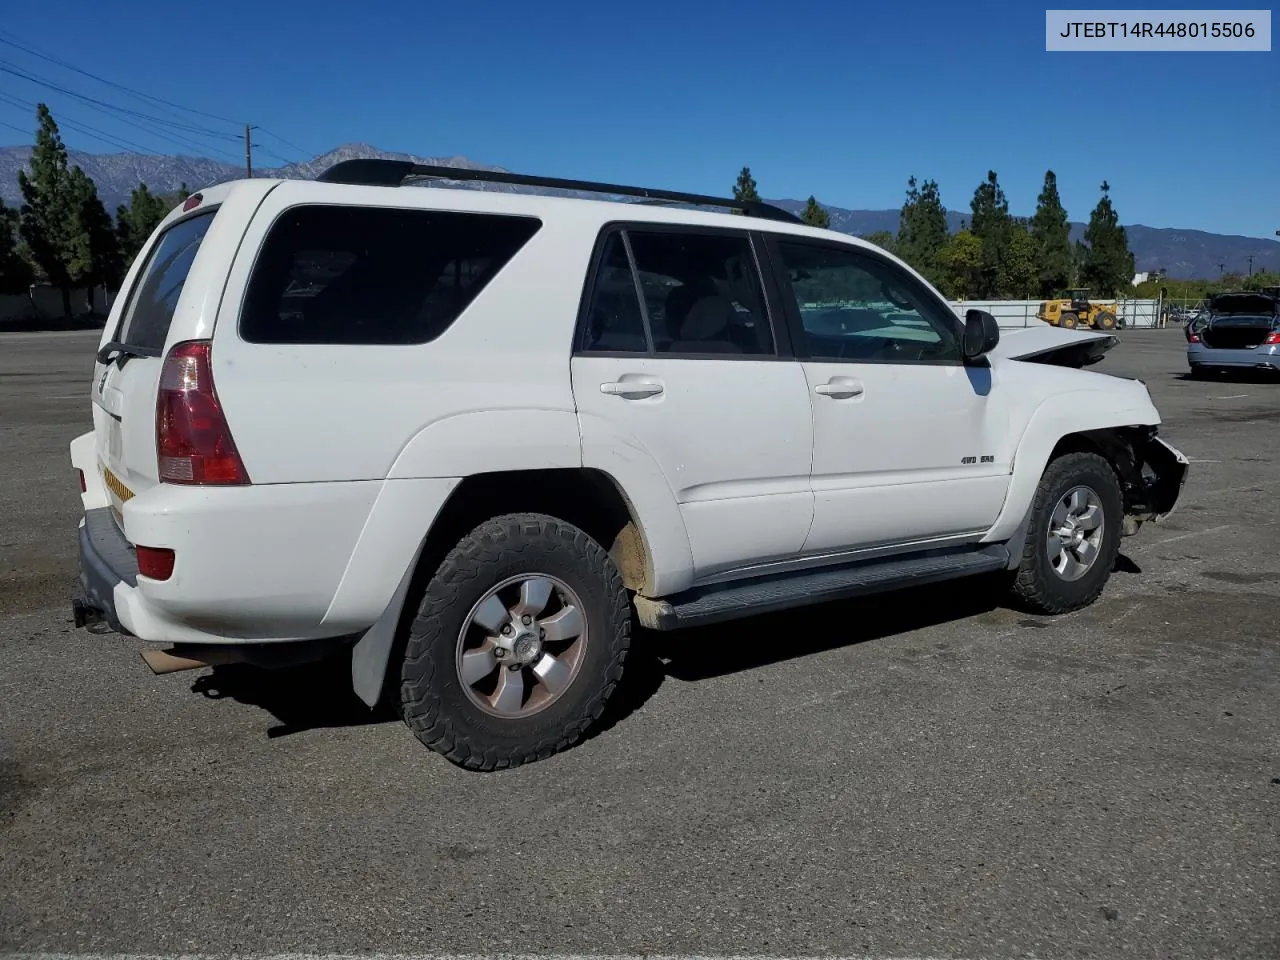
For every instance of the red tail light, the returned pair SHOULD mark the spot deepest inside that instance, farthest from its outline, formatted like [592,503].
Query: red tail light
[1195,338]
[1273,337]
[84,486]
[155,563]
[193,441]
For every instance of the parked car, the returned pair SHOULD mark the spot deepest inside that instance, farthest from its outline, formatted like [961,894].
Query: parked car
[470,435]
[1241,331]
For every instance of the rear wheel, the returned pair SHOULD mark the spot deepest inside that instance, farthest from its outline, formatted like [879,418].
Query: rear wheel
[1074,535]
[518,643]
[1069,320]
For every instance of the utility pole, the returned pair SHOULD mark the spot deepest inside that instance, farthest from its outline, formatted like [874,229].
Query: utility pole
[1251,264]
[1221,267]
[248,152]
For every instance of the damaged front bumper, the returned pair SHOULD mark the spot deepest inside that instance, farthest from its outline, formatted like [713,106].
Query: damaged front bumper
[1156,475]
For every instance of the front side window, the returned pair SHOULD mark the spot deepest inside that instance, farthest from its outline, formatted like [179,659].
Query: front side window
[855,306]
[373,275]
[702,293]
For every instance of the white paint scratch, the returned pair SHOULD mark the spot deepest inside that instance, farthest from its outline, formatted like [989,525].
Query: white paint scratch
[1194,533]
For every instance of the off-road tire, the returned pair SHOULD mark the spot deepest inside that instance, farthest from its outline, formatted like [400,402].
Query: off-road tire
[1037,587]
[1106,320]
[433,702]
[1069,321]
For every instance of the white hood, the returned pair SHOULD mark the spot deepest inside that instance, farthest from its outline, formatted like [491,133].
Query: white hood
[1042,341]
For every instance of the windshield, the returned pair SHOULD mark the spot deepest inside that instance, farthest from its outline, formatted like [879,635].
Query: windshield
[155,294]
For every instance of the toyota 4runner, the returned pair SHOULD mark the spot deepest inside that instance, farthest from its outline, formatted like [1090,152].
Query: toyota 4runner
[470,435]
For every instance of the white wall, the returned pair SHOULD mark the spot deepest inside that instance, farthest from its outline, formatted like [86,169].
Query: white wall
[45,303]
[1022,313]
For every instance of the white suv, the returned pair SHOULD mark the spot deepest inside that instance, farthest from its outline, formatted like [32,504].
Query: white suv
[470,434]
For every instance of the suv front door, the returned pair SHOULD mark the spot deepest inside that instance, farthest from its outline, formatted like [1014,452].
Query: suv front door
[906,437]
[676,364]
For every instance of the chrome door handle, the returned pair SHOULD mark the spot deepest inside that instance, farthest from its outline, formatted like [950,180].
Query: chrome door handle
[631,389]
[840,388]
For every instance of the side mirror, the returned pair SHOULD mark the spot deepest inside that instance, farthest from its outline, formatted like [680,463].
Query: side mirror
[981,334]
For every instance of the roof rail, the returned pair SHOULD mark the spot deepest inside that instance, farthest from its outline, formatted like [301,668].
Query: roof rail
[394,173]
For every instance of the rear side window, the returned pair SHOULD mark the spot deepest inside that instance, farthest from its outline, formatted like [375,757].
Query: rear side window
[702,293]
[149,314]
[361,275]
[679,293]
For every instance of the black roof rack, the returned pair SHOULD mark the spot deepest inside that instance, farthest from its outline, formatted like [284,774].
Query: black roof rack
[394,173]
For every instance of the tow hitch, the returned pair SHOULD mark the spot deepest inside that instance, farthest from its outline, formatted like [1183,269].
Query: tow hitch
[85,614]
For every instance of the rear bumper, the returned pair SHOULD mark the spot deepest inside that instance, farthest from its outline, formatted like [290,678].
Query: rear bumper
[1264,357]
[107,561]
[268,563]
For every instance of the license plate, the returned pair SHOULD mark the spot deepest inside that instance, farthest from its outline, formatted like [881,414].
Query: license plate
[115,441]
[116,485]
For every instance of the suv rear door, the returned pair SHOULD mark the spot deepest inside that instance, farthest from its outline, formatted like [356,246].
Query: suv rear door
[128,369]
[170,294]
[676,360]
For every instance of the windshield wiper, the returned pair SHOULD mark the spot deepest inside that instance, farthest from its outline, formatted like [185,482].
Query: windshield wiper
[115,350]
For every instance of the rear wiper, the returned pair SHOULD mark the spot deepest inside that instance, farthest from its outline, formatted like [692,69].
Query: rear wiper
[115,350]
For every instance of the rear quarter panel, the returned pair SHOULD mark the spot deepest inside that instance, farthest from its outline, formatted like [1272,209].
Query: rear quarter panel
[493,390]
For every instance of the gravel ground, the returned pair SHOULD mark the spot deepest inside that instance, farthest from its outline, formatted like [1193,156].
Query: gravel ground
[926,774]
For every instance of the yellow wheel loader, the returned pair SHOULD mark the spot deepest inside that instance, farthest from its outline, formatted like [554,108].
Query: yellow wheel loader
[1078,311]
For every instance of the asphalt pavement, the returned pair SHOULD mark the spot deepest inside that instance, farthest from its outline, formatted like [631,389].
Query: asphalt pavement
[928,774]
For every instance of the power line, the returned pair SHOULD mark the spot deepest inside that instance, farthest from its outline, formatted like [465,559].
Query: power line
[305,154]
[7,67]
[14,126]
[12,40]
[166,135]
[73,124]
[119,86]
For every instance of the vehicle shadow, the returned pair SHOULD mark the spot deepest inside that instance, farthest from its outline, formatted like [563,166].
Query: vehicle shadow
[735,646]
[319,695]
[310,696]
[1233,376]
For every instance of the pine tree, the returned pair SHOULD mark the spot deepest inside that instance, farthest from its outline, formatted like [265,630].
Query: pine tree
[993,227]
[1052,235]
[15,272]
[882,239]
[136,222]
[49,220]
[744,191]
[97,252]
[961,261]
[815,215]
[1019,277]
[922,229]
[1107,262]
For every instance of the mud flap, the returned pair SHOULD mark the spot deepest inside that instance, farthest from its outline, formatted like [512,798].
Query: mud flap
[370,656]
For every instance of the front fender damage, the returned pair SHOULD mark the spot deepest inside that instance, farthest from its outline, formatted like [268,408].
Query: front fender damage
[1152,474]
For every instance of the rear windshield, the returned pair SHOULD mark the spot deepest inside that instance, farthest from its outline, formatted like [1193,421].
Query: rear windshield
[361,275]
[155,295]
[1238,320]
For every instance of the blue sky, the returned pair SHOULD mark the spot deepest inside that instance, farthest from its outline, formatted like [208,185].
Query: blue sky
[844,100]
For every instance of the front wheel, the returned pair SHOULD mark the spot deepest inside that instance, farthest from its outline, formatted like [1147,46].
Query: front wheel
[518,643]
[1073,538]
[1106,320]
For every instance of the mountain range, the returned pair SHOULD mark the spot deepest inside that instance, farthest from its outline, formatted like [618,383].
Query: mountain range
[1182,253]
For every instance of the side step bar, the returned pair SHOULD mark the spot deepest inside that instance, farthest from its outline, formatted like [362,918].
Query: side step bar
[714,604]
